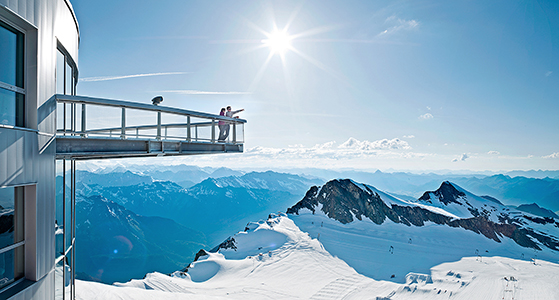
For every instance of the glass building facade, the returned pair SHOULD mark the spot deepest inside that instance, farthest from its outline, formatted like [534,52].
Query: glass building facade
[65,201]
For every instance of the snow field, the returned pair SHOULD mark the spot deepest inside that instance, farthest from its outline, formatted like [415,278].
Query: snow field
[277,260]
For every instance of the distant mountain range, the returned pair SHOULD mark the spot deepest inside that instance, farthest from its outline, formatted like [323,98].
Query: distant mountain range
[208,205]
[509,190]
[115,244]
[217,206]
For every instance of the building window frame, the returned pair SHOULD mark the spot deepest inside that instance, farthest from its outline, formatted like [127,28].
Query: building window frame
[18,229]
[19,86]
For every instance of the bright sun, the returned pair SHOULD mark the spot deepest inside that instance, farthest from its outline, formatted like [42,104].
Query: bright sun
[278,42]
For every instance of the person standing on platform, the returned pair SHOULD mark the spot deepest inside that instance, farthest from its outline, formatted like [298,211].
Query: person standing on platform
[229,114]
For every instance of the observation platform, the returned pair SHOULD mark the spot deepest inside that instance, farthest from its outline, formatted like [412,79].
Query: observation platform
[118,129]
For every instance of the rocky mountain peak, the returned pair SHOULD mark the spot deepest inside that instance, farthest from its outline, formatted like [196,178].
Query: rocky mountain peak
[344,201]
[446,193]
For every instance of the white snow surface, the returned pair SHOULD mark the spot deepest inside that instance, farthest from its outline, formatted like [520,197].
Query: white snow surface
[275,259]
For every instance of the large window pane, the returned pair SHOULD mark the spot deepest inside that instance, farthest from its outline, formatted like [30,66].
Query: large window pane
[68,220]
[8,53]
[7,209]
[11,216]
[59,73]
[59,209]
[7,107]
[68,279]
[11,266]
[7,267]
[12,110]
[69,80]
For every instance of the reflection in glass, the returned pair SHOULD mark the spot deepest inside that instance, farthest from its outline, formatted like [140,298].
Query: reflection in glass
[68,276]
[6,268]
[59,280]
[69,80]
[8,55]
[68,221]
[7,209]
[59,211]
[7,107]
[11,108]
[59,73]
[11,266]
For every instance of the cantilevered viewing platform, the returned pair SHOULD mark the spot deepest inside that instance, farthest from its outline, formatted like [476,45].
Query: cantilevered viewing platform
[121,129]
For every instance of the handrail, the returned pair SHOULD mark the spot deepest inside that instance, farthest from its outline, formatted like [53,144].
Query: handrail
[124,130]
[141,106]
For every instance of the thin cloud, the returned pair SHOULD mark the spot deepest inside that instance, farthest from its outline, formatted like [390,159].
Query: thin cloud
[548,73]
[426,116]
[399,24]
[393,144]
[196,92]
[107,78]
[411,136]
[493,152]
[553,155]
[172,37]
[349,150]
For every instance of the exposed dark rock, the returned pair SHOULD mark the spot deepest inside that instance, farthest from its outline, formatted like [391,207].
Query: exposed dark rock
[343,200]
[309,202]
[227,244]
[200,253]
[447,194]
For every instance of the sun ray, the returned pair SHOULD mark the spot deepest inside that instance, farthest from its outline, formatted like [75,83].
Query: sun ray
[322,66]
[293,15]
[260,73]
[315,31]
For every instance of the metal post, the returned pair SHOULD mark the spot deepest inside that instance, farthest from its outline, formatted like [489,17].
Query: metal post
[63,222]
[83,120]
[188,137]
[74,117]
[64,119]
[73,214]
[213,131]
[234,132]
[123,124]
[158,125]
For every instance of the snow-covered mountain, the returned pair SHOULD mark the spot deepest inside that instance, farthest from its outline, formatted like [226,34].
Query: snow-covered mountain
[443,225]
[346,240]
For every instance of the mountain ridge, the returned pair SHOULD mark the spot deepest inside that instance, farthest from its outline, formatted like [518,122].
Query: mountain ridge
[343,200]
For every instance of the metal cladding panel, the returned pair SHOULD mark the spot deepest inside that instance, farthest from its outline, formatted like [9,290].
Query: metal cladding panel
[22,159]
[16,155]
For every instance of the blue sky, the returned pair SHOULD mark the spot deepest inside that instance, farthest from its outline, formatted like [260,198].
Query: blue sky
[404,85]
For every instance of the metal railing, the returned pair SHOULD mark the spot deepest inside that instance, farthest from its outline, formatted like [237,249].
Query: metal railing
[196,126]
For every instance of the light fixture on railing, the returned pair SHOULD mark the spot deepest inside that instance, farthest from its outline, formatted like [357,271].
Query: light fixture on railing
[157,100]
